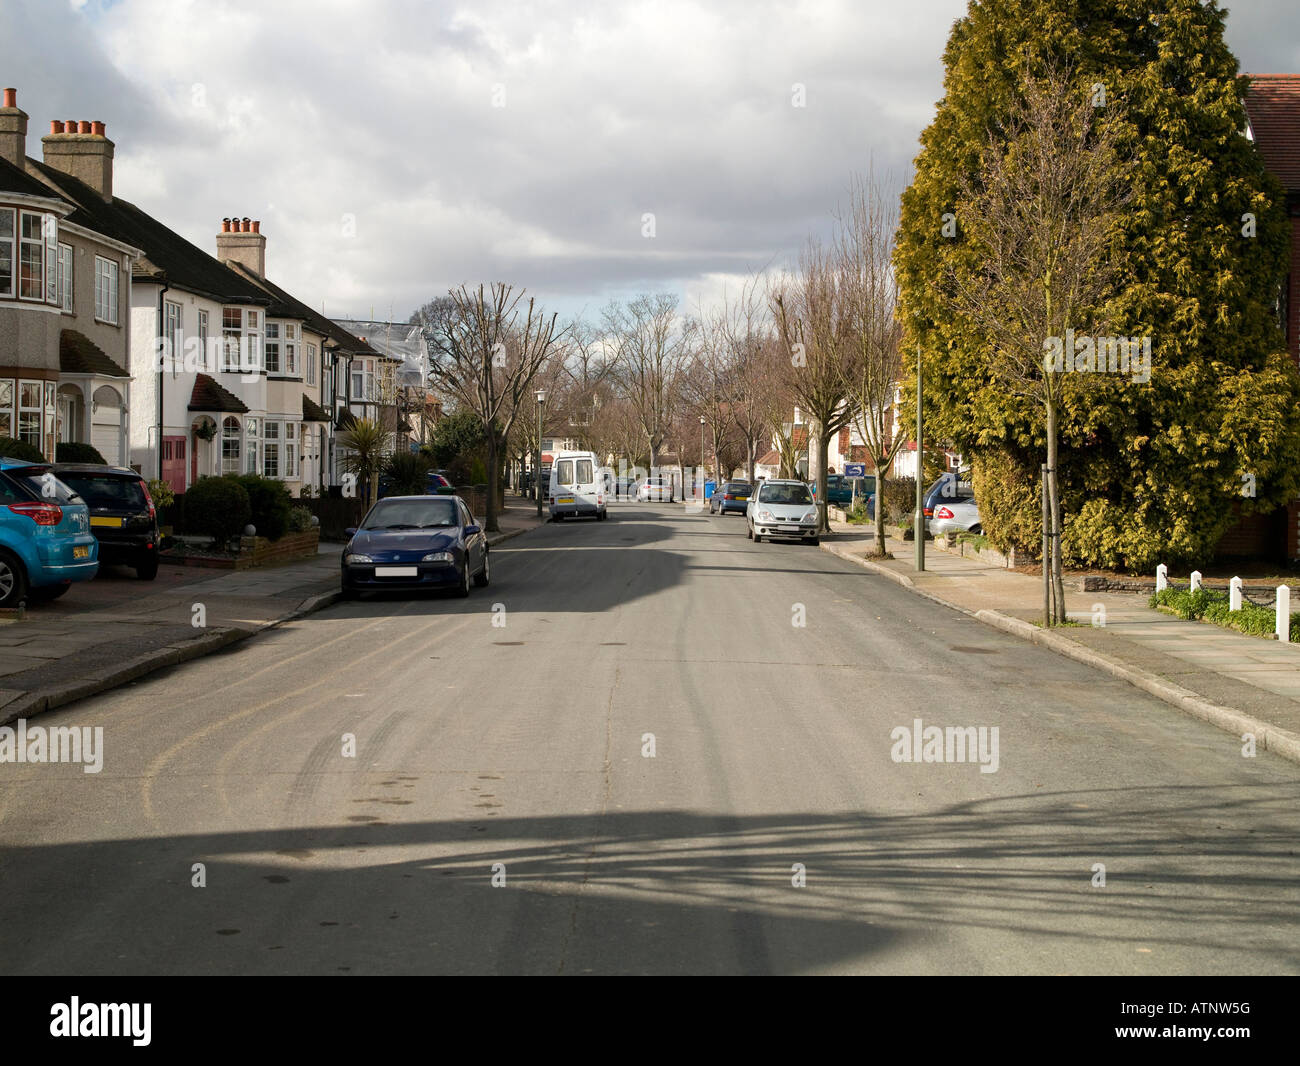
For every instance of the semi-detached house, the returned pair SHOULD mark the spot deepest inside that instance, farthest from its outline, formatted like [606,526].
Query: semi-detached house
[200,364]
[65,324]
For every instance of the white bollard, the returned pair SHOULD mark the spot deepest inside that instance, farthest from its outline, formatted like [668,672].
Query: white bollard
[1234,594]
[1162,577]
[1196,580]
[1283,625]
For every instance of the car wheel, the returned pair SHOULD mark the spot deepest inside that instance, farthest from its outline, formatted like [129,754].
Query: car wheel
[976,528]
[148,568]
[346,593]
[482,577]
[758,537]
[814,540]
[749,530]
[462,590]
[13,580]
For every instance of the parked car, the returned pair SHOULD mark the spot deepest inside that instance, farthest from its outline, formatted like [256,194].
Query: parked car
[733,496]
[440,485]
[840,488]
[960,515]
[655,488]
[781,509]
[45,539]
[415,542]
[122,514]
[948,487]
[577,486]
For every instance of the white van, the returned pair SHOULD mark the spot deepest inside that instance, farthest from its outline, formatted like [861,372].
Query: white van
[578,486]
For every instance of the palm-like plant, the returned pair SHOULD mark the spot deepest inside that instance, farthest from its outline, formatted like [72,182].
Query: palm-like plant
[365,444]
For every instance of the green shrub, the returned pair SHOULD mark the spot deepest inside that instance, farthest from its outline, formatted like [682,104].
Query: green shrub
[217,506]
[300,520]
[1213,607]
[71,451]
[269,502]
[407,473]
[161,493]
[900,499]
[20,449]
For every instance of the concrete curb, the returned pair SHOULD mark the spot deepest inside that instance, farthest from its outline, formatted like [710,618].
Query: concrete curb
[31,704]
[1268,737]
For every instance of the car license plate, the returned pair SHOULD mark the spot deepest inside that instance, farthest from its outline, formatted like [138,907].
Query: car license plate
[81,553]
[396,571]
[115,522]
[742,497]
[788,529]
[565,499]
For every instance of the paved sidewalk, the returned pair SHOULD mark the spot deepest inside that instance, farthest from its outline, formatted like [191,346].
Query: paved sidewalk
[1239,682]
[115,628]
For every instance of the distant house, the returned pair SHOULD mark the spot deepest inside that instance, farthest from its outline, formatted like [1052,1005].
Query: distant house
[65,291]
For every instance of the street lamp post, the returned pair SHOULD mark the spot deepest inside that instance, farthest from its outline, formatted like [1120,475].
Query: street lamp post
[537,469]
[702,459]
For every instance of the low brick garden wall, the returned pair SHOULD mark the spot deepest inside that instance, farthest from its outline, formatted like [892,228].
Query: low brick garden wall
[256,551]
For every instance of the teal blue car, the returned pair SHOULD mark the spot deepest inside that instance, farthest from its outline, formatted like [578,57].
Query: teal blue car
[45,541]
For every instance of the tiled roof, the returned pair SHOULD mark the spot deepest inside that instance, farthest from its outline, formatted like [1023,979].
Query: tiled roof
[772,458]
[346,420]
[13,179]
[1273,105]
[78,354]
[209,395]
[312,411]
[167,255]
[287,306]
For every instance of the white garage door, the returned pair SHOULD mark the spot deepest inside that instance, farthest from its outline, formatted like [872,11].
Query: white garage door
[106,426]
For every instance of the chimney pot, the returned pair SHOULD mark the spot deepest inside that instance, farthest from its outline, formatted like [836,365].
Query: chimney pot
[11,98]
[84,127]
[257,226]
[97,128]
[225,225]
[248,226]
[55,126]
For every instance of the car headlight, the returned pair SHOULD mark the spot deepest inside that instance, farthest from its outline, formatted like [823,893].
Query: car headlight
[351,559]
[811,516]
[766,516]
[439,557]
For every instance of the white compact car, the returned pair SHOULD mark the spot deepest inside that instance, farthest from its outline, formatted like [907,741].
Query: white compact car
[655,488]
[781,509]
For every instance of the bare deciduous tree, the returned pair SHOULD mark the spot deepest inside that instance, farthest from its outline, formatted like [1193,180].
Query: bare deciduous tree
[1040,214]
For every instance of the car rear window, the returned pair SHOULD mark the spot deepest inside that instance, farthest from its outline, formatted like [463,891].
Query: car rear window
[117,493]
[35,485]
[741,487]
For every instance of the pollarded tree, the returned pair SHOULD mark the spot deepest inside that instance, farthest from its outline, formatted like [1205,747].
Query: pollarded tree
[1146,473]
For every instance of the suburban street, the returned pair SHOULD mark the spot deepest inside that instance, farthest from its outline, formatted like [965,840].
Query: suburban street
[517,735]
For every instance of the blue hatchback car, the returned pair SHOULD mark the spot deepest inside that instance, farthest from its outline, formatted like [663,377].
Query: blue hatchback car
[409,543]
[45,538]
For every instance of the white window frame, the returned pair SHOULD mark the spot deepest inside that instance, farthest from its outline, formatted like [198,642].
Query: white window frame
[311,364]
[273,347]
[65,278]
[291,368]
[174,330]
[252,447]
[27,409]
[227,437]
[106,290]
[36,244]
[9,245]
[271,448]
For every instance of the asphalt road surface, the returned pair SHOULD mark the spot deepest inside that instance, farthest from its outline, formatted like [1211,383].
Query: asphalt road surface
[627,756]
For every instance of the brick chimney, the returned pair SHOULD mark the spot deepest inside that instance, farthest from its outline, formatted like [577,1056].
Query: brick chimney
[81,151]
[242,240]
[13,131]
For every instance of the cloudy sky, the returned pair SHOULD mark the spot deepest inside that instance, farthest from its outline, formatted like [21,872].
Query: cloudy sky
[395,148]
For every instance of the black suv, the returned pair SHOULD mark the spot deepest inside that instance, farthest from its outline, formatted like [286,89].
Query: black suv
[122,514]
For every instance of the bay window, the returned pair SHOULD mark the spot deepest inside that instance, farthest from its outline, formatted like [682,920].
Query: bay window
[252,447]
[273,347]
[291,349]
[65,277]
[230,436]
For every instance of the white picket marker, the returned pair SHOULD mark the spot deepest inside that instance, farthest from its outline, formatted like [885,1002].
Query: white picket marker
[1196,580]
[1162,577]
[1234,594]
[1283,624]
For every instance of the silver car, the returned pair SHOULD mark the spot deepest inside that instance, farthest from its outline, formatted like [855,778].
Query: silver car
[781,509]
[960,515]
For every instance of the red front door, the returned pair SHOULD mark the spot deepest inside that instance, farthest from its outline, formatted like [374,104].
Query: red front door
[173,464]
